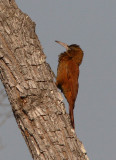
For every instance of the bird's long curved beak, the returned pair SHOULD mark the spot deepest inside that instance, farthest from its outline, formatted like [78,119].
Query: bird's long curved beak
[63,44]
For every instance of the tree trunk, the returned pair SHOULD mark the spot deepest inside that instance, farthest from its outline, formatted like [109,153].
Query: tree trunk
[28,80]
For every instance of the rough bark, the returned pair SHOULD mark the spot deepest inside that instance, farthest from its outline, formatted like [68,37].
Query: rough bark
[28,80]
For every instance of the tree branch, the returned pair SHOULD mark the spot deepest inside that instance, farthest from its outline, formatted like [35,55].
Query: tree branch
[28,80]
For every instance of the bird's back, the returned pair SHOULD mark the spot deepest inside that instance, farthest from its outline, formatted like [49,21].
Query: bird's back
[67,77]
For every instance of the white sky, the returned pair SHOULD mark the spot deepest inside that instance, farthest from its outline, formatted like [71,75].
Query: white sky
[92,25]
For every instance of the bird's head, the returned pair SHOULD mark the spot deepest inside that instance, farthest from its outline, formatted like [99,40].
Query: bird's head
[73,51]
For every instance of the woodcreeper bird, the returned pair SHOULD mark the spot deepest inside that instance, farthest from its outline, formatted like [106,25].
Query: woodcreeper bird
[68,74]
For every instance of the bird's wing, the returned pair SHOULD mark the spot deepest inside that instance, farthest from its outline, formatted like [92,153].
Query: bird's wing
[72,77]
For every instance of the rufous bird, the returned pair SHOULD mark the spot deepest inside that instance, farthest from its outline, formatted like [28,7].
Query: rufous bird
[68,74]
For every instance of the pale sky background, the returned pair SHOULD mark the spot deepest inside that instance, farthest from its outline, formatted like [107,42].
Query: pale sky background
[92,25]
